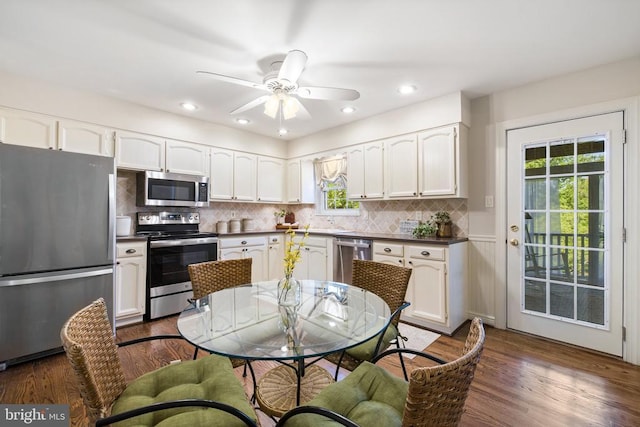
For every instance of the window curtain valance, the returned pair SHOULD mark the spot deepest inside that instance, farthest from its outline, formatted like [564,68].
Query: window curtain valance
[331,170]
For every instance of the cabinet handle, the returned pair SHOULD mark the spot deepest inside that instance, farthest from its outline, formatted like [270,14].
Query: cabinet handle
[415,194]
[168,170]
[244,242]
[400,261]
[387,250]
[130,251]
[425,253]
[411,262]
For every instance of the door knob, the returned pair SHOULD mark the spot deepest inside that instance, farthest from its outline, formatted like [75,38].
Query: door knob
[514,242]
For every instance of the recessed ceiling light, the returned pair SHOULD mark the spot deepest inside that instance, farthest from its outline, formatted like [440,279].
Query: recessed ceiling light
[189,106]
[243,121]
[282,131]
[407,89]
[348,109]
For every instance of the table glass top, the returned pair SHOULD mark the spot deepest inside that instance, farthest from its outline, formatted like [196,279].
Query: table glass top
[246,321]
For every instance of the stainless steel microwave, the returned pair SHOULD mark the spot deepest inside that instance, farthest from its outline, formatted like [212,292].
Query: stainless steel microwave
[171,189]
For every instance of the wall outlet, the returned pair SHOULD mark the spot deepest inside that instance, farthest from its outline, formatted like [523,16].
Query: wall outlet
[488,201]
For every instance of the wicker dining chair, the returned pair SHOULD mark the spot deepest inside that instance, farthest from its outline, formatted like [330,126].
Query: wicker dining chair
[390,283]
[371,396]
[178,394]
[211,276]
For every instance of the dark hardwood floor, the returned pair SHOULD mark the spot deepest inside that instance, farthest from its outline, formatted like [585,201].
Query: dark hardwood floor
[520,381]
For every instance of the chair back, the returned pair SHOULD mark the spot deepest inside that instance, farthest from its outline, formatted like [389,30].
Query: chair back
[388,281]
[437,394]
[87,338]
[212,276]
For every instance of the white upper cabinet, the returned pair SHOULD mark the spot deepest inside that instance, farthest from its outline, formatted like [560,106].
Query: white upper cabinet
[145,152]
[85,138]
[42,131]
[28,129]
[186,157]
[300,181]
[270,179]
[140,152]
[401,174]
[233,175]
[441,163]
[365,171]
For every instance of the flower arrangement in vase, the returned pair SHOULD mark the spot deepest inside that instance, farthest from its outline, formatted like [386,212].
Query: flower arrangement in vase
[279,214]
[289,291]
[443,220]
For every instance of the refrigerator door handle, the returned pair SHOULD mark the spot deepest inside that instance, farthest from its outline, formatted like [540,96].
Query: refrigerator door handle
[54,278]
[112,216]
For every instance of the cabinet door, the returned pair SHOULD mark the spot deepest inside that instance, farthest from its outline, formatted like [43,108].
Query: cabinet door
[437,162]
[185,157]
[28,129]
[131,276]
[270,179]
[300,181]
[259,264]
[139,152]
[316,262]
[355,168]
[244,177]
[221,183]
[427,290]
[374,171]
[275,269]
[85,138]
[401,175]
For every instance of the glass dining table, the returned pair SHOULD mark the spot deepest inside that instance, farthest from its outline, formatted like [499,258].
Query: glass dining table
[246,322]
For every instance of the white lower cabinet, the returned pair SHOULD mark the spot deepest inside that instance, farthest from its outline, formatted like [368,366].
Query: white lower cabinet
[314,263]
[254,247]
[275,269]
[436,288]
[131,276]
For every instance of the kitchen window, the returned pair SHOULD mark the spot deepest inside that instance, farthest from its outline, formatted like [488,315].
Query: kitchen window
[331,180]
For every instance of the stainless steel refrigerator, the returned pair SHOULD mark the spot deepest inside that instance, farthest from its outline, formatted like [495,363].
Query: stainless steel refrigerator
[57,245]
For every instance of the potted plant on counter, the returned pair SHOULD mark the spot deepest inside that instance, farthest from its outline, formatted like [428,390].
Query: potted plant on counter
[279,214]
[424,229]
[443,221]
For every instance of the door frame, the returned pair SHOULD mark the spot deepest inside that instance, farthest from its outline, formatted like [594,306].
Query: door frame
[631,273]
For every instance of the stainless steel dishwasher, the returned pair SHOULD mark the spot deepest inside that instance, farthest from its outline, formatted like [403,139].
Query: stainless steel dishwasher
[345,250]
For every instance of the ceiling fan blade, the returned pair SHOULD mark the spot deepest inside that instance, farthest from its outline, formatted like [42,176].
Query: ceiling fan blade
[292,66]
[330,93]
[233,80]
[252,104]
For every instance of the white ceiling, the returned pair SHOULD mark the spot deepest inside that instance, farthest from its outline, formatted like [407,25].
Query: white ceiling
[147,51]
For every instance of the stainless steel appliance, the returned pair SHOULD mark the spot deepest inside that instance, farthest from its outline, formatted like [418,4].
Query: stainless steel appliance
[57,244]
[171,189]
[345,250]
[174,242]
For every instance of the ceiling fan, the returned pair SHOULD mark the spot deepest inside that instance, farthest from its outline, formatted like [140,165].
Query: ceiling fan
[282,82]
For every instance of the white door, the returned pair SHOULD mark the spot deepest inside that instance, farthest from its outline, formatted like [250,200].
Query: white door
[565,219]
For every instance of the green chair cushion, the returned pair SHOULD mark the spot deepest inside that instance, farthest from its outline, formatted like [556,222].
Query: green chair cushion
[210,378]
[369,396]
[365,350]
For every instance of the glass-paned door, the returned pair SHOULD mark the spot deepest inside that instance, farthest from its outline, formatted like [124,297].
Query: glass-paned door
[565,237]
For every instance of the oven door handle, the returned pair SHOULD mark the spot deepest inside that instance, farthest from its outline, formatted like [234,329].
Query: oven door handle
[182,242]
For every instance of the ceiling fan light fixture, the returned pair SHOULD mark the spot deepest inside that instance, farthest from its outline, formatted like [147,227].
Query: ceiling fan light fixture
[272,105]
[290,107]
[282,131]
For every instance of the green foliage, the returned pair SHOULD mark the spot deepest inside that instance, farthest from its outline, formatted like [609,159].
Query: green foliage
[424,229]
[337,199]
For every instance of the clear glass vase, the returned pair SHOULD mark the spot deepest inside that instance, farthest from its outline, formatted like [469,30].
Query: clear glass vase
[289,291]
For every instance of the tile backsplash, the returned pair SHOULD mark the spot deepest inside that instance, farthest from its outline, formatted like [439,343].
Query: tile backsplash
[383,216]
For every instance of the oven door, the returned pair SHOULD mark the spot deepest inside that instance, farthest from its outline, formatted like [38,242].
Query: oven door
[168,281]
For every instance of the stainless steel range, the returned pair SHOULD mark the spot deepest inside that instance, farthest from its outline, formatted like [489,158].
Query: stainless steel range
[174,242]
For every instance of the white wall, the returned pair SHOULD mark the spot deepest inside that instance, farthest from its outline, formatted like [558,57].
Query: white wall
[40,97]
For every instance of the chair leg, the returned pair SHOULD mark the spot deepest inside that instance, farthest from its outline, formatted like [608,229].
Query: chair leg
[404,368]
[335,377]
[195,353]
[253,377]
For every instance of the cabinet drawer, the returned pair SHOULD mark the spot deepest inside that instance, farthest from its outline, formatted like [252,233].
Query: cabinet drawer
[129,250]
[320,242]
[274,238]
[239,242]
[426,252]
[392,249]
